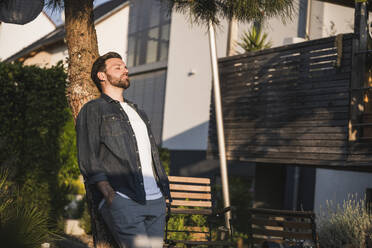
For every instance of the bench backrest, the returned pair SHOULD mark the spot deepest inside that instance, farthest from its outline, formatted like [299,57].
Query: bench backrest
[191,195]
[282,226]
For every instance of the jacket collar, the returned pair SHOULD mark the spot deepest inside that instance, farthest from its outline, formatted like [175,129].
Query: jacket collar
[110,100]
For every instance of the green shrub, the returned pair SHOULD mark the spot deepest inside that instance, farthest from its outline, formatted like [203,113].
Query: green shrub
[85,220]
[165,158]
[22,225]
[349,224]
[254,40]
[179,222]
[37,135]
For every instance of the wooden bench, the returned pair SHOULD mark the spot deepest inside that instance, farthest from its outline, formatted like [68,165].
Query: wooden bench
[192,196]
[282,226]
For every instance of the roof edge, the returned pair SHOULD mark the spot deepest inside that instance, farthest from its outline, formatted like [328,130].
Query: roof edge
[112,12]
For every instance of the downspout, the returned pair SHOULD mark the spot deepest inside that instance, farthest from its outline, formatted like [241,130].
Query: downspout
[219,122]
[308,19]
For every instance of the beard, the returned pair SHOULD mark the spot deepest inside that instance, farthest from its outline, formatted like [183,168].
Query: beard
[122,82]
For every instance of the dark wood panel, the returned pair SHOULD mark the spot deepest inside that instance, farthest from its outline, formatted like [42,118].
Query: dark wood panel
[290,155]
[286,161]
[241,141]
[283,136]
[288,149]
[245,124]
[285,234]
[289,104]
[239,116]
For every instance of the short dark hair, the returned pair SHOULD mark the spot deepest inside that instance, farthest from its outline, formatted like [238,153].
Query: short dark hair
[100,66]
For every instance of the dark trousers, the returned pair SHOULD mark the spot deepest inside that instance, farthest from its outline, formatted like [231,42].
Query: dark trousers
[134,225]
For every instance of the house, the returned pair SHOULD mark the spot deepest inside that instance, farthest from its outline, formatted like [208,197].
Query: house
[14,37]
[169,66]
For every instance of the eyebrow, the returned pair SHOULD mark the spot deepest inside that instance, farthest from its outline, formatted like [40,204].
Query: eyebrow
[119,64]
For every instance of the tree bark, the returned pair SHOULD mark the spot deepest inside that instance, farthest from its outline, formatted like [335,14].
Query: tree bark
[82,47]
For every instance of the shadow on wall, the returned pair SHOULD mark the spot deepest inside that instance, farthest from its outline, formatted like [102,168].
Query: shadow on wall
[195,138]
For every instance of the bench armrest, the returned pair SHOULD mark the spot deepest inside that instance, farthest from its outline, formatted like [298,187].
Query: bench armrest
[220,212]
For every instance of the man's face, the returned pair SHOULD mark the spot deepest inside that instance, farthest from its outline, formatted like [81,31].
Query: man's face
[117,73]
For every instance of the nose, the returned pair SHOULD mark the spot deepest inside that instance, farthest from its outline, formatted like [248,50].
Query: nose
[126,69]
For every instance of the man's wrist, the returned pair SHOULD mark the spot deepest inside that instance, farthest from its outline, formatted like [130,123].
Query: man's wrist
[105,188]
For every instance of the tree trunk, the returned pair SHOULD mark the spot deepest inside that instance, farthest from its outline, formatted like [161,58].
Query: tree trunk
[82,47]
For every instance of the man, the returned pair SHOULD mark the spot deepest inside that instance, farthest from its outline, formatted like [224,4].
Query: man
[117,154]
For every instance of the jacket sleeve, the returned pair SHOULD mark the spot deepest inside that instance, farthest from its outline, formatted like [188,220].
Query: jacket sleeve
[88,125]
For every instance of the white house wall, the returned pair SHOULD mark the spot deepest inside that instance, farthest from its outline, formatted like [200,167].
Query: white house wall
[59,54]
[330,19]
[111,36]
[49,57]
[335,186]
[279,29]
[338,19]
[112,33]
[187,97]
[14,37]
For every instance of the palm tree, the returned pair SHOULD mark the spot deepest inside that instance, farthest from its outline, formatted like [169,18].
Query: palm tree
[209,13]
[82,48]
[254,40]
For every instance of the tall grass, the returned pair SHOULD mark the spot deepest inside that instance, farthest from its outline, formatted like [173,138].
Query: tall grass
[346,225]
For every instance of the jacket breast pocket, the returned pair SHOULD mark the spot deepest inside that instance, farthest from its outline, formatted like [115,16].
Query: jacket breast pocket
[112,125]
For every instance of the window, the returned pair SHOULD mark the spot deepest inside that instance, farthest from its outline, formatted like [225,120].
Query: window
[148,36]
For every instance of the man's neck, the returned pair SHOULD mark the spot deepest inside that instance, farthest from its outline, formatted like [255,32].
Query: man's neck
[116,94]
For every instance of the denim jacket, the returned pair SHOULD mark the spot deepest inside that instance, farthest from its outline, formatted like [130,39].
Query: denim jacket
[107,150]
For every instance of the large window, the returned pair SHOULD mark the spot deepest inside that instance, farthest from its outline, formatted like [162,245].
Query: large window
[148,36]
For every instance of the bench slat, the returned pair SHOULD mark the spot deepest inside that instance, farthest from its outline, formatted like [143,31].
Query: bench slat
[187,195]
[182,187]
[284,234]
[281,223]
[211,243]
[189,180]
[191,203]
[191,211]
[261,240]
[284,213]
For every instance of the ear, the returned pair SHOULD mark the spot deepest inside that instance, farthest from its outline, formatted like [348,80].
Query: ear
[101,75]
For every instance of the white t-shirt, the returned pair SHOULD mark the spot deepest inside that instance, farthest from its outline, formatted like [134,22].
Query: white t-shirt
[144,148]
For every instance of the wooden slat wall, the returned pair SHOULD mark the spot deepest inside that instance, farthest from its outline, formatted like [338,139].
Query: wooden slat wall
[287,105]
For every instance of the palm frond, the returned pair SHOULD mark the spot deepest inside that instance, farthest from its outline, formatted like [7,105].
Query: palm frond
[203,11]
[254,40]
[54,5]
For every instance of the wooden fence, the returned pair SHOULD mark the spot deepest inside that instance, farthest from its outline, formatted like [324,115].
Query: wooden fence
[291,105]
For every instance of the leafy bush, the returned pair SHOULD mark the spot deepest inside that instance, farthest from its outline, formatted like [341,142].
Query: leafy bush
[37,135]
[21,225]
[254,40]
[180,222]
[85,221]
[165,158]
[349,224]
